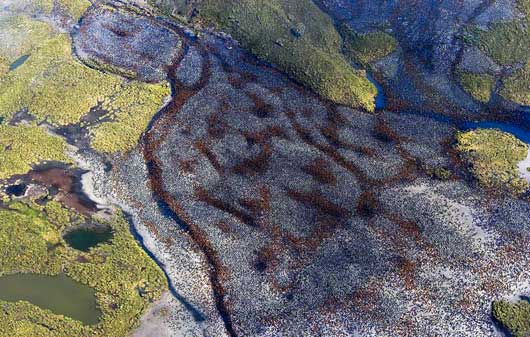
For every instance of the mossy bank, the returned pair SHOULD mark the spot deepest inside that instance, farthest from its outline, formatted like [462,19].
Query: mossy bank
[493,156]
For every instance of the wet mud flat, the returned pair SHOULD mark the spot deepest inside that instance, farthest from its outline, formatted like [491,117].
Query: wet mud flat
[313,218]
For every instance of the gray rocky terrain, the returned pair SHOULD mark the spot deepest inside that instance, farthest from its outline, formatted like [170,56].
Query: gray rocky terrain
[275,213]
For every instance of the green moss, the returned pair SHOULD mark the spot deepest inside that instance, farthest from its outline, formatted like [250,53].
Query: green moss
[125,279]
[524,7]
[300,39]
[23,146]
[19,320]
[75,8]
[479,86]
[131,108]
[72,8]
[517,87]
[505,42]
[366,48]
[4,66]
[53,86]
[513,316]
[20,35]
[493,156]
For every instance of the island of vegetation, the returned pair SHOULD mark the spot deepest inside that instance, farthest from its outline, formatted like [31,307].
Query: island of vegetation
[493,156]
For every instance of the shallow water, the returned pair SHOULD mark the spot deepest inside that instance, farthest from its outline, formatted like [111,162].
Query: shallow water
[60,294]
[380,99]
[20,61]
[85,238]
[522,134]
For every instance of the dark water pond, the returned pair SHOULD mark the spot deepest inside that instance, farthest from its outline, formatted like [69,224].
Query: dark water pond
[16,190]
[85,238]
[60,294]
[18,62]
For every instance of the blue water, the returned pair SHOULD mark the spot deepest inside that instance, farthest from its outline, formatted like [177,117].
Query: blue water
[380,99]
[20,61]
[523,135]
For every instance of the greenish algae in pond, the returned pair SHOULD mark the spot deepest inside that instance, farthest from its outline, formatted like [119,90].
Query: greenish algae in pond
[85,238]
[60,294]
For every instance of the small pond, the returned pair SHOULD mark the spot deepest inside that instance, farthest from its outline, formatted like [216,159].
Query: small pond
[18,62]
[60,294]
[17,190]
[84,238]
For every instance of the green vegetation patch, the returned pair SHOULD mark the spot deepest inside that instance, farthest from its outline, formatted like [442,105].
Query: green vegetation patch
[299,38]
[56,88]
[53,86]
[479,86]
[131,108]
[71,8]
[493,156]
[75,8]
[505,42]
[517,87]
[20,35]
[125,279]
[369,47]
[524,6]
[23,146]
[513,316]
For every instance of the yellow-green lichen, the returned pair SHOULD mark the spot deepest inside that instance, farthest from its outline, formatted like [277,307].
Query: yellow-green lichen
[125,279]
[4,66]
[74,7]
[517,86]
[479,86]
[299,38]
[23,146]
[513,316]
[369,47]
[505,42]
[53,86]
[20,35]
[131,108]
[493,156]
[70,8]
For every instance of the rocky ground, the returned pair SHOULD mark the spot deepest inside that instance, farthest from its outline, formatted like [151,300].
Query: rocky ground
[277,213]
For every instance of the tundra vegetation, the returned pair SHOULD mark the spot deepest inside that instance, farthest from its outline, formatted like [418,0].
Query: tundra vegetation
[54,87]
[297,37]
[50,88]
[479,86]
[513,316]
[506,42]
[366,48]
[25,145]
[73,9]
[124,278]
[493,156]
